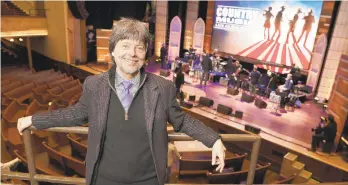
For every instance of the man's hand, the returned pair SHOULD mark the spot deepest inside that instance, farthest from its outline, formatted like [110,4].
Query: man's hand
[23,123]
[218,155]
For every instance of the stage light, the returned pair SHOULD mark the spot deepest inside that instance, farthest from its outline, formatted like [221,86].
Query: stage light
[12,40]
[20,39]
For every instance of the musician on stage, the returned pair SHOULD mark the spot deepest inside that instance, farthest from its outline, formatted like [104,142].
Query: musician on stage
[179,81]
[287,86]
[197,67]
[254,79]
[235,69]
[163,56]
[230,69]
[207,67]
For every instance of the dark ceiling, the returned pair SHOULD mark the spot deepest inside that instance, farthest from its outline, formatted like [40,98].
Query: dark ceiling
[102,13]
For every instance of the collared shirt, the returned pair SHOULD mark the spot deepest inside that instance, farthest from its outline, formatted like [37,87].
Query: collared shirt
[119,87]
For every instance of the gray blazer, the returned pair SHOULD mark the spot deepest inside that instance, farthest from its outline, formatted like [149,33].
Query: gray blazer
[161,106]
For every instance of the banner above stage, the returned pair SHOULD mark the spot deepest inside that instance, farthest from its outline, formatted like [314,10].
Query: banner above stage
[271,31]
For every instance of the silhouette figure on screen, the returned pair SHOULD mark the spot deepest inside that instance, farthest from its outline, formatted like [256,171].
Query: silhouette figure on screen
[267,23]
[277,21]
[292,26]
[307,27]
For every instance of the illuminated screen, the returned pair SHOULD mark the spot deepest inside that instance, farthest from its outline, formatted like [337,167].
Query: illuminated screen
[271,31]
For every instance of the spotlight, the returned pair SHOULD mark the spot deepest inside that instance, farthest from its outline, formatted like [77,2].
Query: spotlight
[12,40]
[20,39]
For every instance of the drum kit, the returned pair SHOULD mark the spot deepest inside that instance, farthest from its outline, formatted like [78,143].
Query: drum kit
[218,64]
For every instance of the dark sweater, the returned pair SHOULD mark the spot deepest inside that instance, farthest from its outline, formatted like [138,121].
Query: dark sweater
[126,157]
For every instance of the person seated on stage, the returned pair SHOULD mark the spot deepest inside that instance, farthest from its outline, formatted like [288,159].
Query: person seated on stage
[207,67]
[179,81]
[287,86]
[325,131]
[254,79]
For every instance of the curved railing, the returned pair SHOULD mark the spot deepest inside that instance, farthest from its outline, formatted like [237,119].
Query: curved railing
[35,178]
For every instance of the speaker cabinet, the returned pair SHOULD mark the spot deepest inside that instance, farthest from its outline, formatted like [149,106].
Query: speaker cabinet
[224,109]
[252,129]
[186,104]
[238,114]
[232,91]
[192,98]
[247,98]
[260,103]
[164,72]
[206,102]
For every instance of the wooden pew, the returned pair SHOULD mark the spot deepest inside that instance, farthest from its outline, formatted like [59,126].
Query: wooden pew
[67,95]
[238,176]
[12,139]
[40,93]
[9,87]
[50,78]
[75,99]
[37,75]
[68,163]
[5,82]
[70,84]
[78,149]
[19,94]
[193,167]
[36,107]
[13,112]
[42,165]
[59,82]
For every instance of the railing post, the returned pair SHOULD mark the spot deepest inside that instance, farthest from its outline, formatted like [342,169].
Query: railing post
[253,161]
[30,156]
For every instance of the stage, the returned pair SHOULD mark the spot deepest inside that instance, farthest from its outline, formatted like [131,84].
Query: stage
[290,126]
[289,132]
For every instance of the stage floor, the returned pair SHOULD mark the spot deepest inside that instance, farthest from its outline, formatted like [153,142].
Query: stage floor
[293,127]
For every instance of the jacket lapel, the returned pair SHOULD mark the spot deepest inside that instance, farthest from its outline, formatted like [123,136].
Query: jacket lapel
[102,101]
[151,94]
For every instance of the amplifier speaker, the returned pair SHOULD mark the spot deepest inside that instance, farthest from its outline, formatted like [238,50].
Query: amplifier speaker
[164,72]
[224,109]
[238,114]
[206,102]
[186,104]
[247,98]
[232,91]
[252,129]
[260,103]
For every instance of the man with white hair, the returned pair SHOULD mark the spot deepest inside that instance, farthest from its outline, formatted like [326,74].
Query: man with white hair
[287,86]
[127,110]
